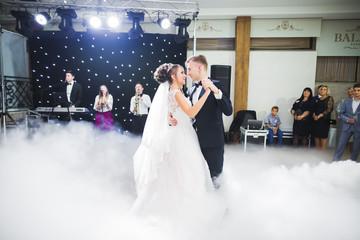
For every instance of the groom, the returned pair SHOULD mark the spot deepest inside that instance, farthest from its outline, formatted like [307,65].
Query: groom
[209,122]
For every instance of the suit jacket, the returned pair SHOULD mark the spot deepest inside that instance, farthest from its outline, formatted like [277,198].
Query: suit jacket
[209,124]
[75,95]
[346,112]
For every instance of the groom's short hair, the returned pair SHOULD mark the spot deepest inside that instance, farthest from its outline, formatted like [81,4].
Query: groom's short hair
[199,59]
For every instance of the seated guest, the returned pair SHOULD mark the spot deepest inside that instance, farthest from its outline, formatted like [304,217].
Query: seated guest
[301,112]
[272,122]
[103,105]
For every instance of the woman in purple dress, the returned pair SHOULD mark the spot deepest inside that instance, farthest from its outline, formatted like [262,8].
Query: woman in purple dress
[103,105]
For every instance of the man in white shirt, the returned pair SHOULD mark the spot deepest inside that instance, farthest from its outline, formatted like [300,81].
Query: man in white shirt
[139,106]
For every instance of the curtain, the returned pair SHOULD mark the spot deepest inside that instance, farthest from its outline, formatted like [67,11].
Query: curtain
[337,69]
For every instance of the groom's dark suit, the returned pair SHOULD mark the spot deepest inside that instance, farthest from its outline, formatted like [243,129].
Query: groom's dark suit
[210,128]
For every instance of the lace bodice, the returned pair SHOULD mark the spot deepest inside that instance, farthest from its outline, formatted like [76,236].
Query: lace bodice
[173,105]
[175,109]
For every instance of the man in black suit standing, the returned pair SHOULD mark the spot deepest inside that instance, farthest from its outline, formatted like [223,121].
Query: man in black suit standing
[73,90]
[209,122]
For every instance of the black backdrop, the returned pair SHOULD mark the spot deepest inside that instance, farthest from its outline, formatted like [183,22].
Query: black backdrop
[111,59]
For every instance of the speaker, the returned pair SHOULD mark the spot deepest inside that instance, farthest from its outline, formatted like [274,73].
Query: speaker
[221,73]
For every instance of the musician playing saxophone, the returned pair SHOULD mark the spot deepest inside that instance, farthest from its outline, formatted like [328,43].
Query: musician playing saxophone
[139,107]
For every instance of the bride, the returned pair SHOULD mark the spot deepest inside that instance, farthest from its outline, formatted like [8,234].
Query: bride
[171,174]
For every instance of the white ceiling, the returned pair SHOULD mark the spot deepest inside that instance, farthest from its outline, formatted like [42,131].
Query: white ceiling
[208,9]
[326,9]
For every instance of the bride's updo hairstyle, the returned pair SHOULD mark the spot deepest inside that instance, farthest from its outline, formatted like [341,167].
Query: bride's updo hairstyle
[163,72]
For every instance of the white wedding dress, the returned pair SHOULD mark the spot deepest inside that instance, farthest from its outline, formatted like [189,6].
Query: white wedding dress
[170,171]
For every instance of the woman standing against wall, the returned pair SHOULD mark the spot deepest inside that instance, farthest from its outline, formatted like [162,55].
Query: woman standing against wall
[301,112]
[322,116]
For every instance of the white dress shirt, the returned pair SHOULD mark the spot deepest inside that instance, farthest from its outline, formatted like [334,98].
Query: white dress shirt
[355,105]
[68,90]
[144,104]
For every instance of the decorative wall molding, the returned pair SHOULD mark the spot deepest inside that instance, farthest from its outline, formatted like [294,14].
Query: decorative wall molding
[262,28]
[205,27]
[212,29]
[285,26]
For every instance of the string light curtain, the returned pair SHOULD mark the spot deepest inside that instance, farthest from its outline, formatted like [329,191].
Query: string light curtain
[111,59]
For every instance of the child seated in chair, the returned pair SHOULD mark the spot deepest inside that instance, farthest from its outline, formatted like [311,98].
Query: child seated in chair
[272,122]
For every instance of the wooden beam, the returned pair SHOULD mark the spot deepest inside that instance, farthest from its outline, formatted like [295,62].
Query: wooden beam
[242,54]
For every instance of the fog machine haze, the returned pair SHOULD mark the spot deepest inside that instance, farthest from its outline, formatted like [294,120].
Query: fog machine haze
[74,182]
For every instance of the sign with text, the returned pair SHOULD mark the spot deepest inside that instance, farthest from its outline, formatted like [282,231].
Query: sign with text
[339,38]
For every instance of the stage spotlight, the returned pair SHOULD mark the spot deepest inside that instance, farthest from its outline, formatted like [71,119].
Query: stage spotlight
[164,23]
[112,21]
[95,22]
[182,35]
[42,18]
[136,30]
[25,23]
[66,25]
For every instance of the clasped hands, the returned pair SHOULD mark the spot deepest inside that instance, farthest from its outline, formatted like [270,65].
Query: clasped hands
[351,121]
[317,117]
[298,117]
[207,83]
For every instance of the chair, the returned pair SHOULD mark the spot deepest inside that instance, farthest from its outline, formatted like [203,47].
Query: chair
[240,120]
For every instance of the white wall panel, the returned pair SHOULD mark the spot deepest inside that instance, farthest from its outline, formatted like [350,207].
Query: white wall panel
[278,78]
